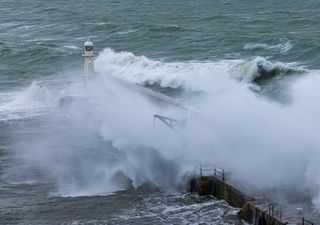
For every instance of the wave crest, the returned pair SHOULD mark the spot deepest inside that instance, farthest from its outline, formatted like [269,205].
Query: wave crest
[260,69]
[191,75]
[284,46]
[33,101]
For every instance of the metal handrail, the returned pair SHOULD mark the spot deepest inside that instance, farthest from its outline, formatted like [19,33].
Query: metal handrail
[275,206]
[217,171]
[306,221]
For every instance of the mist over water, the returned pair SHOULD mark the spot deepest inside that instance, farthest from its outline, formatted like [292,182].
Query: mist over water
[245,76]
[261,141]
[108,142]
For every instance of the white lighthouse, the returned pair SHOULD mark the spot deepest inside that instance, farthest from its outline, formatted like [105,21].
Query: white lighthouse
[88,58]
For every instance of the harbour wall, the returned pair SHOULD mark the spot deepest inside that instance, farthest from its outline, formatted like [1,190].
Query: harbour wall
[249,211]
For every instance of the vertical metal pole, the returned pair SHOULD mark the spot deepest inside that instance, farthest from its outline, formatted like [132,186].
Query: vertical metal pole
[223,174]
[302,220]
[200,170]
[255,216]
[280,214]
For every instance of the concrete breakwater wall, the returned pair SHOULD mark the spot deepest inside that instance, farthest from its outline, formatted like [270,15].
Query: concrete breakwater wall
[250,212]
[211,185]
[255,215]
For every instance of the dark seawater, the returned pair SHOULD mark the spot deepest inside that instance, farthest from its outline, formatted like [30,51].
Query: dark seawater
[42,38]
[56,169]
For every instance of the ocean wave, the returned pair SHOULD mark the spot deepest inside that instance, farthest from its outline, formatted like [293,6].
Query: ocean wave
[171,27]
[143,71]
[129,31]
[70,47]
[284,46]
[198,210]
[160,28]
[192,76]
[215,17]
[260,69]
[34,101]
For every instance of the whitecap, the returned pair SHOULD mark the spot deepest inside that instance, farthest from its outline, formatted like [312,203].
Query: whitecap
[284,46]
[190,76]
[33,101]
[70,47]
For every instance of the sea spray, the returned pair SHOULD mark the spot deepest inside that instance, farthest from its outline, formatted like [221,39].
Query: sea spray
[190,76]
[108,143]
[261,142]
[33,101]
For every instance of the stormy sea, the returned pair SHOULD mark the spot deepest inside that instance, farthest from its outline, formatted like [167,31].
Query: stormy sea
[240,80]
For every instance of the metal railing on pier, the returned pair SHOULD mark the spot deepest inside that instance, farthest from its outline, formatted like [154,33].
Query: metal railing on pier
[210,170]
[306,222]
[275,210]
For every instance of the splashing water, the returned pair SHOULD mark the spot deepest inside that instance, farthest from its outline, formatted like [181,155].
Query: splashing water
[250,136]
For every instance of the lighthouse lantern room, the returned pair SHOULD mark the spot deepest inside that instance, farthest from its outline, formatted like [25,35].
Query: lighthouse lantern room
[88,58]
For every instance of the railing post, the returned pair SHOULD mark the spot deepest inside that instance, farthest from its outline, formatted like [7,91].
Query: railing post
[279,212]
[307,221]
[223,174]
[269,209]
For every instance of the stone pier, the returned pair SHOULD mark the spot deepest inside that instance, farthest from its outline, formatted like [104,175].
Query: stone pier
[249,211]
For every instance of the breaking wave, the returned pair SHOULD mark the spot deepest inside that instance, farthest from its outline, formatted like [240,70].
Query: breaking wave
[33,101]
[260,69]
[101,147]
[284,46]
[238,129]
[192,75]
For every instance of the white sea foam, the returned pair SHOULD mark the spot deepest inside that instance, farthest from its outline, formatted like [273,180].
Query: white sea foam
[284,46]
[33,101]
[189,76]
[129,31]
[250,136]
[173,209]
[250,70]
[253,137]
[192,76]
[71,47]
